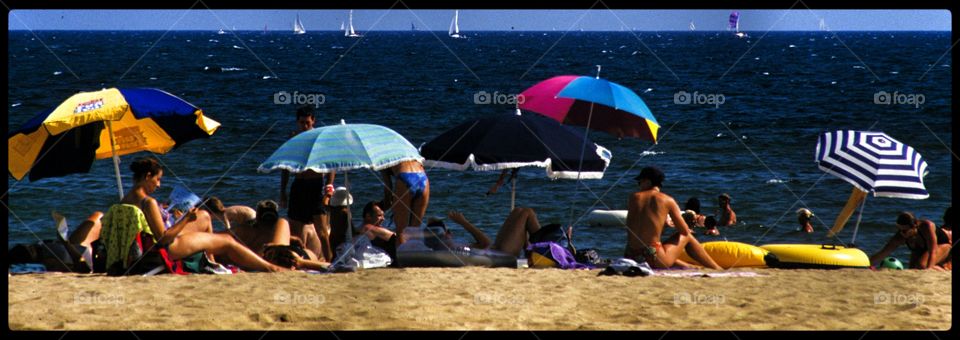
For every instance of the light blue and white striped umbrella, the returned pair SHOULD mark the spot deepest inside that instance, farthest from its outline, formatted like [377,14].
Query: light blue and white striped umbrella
[342,147]
[873,162]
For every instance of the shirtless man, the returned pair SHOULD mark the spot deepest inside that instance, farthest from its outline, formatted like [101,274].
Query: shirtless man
[309,195]
[727,216]
[647,212]
[234,215]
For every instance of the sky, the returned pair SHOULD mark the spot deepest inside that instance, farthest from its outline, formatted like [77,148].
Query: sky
[481,20]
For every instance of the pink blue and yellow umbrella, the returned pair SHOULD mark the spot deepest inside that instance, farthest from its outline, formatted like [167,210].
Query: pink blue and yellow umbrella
[592,102]
[103,124]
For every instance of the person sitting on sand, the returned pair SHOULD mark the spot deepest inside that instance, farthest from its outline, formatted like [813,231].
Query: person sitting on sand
[379,236]
[229,216]
[270,233]
[804,217]
[711,224]
[512,238]
[694,204]
[929,246]
[178,240]
[727,216]
[647,211]
[408,196]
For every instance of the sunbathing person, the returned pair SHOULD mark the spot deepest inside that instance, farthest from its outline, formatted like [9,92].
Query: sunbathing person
[929,246]
[234,215]
[512,238]
[270,235]
[79,243]
[647,211]
[179,242]
[379,236]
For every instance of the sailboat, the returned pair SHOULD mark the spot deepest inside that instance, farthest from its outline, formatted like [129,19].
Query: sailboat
[413,27]
[823,25]
[342,28]
[454,30]
[735,25]
[349,32]
[298,26]
[221,32]
[692,26]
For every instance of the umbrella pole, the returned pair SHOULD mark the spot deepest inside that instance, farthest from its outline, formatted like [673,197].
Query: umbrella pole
[857,227]
[513,193]
[855,198]
[116,159]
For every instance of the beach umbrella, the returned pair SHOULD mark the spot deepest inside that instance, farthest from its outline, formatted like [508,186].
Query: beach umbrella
[102,124]
[593,102]
[514,141]
[342,147]
[871,162]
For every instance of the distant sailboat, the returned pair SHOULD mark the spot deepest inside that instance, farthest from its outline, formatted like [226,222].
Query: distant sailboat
[454,30]
[221,31]
[692,26]
[823,25]
[298,26]
[342,28]
[735,25]
[350,32]
[413,27]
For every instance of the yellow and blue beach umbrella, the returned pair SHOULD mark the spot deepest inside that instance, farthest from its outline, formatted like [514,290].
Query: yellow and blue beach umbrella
[103,124]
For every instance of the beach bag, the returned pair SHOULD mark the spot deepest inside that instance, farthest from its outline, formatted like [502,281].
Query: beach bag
[552,255]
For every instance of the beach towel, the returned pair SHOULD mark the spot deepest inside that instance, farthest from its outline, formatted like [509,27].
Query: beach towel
[121,225]
[552,254]
[673,273]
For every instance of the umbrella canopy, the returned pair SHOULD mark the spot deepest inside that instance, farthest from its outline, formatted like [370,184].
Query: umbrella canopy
[593,102]
[342,147]
[871,162]
[514,141]
[101,124]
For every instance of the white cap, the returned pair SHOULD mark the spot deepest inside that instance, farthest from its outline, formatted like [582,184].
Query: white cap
[341,198]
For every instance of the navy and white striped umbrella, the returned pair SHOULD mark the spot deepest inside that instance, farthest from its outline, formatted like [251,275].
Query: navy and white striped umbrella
[873,161]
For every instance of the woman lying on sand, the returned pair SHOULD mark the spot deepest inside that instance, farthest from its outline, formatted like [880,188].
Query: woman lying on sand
[511,239]
[929,245]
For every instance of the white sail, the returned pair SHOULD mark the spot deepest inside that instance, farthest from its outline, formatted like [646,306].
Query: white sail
[823,25]
[454,30]
[341,26]
[298,26]
[692,26]
[350,32]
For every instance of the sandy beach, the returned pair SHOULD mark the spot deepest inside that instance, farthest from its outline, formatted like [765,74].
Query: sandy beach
[484,299]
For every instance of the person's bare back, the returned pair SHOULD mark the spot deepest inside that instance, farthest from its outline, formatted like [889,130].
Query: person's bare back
[647,212]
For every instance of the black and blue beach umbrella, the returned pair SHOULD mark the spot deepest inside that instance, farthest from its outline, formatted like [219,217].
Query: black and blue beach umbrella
[871,162]
[512,141]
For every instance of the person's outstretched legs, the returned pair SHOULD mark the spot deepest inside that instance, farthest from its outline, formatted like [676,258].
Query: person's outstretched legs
[512,237]
[220,245]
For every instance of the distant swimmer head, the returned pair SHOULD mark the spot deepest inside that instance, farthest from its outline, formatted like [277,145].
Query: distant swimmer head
[268,212]
[710,222]
[652,174]
[804,215]
[693,204]
[689,216]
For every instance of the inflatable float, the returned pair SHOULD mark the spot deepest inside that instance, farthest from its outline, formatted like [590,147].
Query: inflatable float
[731,254]
[815,256]
[455,258]
[606,218]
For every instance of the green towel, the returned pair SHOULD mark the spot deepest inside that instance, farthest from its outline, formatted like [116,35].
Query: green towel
[121,224]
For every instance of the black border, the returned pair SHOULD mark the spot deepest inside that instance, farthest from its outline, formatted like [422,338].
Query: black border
[475,4]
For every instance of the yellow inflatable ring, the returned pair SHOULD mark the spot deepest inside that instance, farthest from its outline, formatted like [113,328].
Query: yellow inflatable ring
[815,256]
[731,254]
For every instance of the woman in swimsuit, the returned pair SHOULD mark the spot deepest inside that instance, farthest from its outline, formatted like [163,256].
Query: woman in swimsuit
[180,242]
[409,197]
[929,245]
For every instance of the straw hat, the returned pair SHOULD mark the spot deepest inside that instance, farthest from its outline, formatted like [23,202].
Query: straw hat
[341,198]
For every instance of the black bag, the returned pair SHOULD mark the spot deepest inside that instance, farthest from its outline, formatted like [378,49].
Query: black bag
[592,257]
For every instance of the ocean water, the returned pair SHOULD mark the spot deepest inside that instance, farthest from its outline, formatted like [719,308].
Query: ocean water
[779,92]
